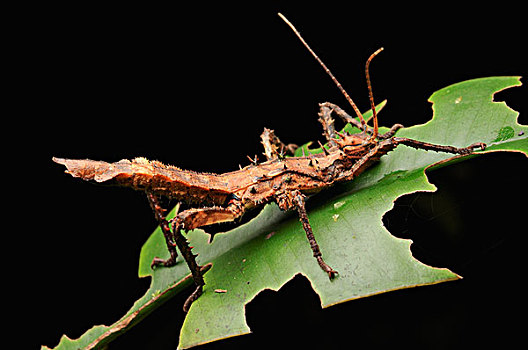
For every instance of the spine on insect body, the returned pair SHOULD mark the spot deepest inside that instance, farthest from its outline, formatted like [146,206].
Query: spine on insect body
[154,176]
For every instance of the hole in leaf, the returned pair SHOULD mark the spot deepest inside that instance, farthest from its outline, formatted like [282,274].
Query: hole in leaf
[472,214]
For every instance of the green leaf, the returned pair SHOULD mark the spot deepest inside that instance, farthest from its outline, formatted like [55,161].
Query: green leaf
[269,250]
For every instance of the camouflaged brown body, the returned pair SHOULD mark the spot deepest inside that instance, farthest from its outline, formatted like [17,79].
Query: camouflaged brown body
[253,185]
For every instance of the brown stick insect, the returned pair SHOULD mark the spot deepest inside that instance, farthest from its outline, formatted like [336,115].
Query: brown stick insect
[216,198]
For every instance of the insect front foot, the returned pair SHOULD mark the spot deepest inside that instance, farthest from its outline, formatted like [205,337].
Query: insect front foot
[480,145]
[470,149]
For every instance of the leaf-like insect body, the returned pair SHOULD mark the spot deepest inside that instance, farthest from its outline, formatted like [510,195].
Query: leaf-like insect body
[142,174]
[254,185]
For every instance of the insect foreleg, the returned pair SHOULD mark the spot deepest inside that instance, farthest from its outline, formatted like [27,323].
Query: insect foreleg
[438,148]
[391,132]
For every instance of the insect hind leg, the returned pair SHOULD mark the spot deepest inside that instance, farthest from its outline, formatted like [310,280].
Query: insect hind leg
[190,259]
[159,213]
[194,218]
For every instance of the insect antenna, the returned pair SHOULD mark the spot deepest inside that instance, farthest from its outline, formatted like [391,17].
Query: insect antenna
[349,99]
[371,95]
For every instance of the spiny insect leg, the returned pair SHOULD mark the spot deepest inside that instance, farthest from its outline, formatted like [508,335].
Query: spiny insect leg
[194,218]
[159,213]
[344,115]
[327,121]
[190,259]
[298,200]
[438,148]
[348,119]
[270,150]
[198,217]
[273,147]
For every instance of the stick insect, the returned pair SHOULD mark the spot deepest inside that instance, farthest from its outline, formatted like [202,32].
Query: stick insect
[287,181]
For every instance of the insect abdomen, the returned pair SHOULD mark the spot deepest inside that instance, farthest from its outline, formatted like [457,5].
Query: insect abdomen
[141,174]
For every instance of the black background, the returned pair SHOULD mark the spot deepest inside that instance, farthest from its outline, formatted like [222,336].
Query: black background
[194,86]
